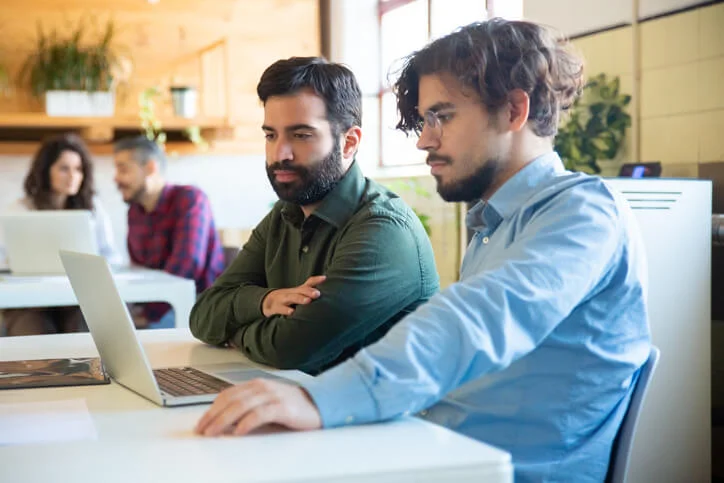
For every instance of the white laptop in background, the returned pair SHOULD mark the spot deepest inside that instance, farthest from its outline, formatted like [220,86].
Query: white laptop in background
[32,239]
[114,334]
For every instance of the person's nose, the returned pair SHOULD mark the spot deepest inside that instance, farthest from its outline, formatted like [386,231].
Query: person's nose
[282,151]
[428,140]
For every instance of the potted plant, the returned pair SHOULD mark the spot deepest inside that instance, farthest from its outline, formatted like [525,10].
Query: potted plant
[184,101]
[596,127]
[152,126]
[74,75]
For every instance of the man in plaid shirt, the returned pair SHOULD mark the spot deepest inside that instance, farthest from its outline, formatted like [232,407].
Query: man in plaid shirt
[170,227]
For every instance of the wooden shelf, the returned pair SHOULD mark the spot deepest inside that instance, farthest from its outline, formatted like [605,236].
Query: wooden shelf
[21,133]
[40,120]
[106,149]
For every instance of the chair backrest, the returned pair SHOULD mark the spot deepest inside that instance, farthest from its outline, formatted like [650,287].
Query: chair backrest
[230,254]
[622,445]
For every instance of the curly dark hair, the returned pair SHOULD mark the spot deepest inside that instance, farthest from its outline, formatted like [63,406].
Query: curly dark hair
[37,182]
[334,83]
[492,58]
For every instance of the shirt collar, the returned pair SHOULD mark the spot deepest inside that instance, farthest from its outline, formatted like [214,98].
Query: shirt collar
[339,205]
[514,192]
[163,203]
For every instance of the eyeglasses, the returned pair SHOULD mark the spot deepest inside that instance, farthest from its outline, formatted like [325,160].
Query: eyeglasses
[431,119]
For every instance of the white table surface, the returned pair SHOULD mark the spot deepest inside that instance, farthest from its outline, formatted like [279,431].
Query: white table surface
[136,284]
[139,441]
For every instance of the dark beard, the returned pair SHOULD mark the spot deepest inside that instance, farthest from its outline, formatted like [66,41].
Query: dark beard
[138,195]
[470,188]
[314,183]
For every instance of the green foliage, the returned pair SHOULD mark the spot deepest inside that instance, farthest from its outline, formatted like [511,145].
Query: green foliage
[414,186]
[596,127]
[71,62]
[194,135]
[152,127]
[150,124]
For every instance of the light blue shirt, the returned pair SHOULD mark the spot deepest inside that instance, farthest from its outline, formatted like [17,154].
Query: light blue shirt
[537,347]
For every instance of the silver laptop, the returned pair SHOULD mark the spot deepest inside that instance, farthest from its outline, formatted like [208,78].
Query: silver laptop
[114,334]
[32,239]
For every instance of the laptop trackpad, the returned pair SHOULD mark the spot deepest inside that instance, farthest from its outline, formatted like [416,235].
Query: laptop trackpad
[236,373]
[243,375]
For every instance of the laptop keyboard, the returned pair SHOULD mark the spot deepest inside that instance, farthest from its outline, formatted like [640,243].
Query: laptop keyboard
[187,381]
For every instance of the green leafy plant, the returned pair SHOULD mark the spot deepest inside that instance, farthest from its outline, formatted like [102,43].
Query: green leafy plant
[71,62]
[152,126]
[414,186]
[194,135]
[596,127]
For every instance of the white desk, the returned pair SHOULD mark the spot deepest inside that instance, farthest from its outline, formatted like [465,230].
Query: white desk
[135,284]
[141,442]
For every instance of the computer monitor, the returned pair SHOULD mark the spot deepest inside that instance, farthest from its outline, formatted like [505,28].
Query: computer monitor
[640,170]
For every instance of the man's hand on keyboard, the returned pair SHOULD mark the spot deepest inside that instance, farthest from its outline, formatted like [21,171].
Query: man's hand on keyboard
[246,407]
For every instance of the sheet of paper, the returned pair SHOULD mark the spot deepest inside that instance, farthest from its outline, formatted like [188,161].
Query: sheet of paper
[46,422]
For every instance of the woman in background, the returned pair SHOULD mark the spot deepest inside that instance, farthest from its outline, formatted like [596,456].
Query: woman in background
[60,178]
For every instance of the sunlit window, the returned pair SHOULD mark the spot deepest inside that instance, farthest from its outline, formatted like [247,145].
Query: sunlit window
[406,26]
[508,9]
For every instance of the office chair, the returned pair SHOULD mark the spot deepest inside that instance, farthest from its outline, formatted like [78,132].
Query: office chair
[230,254]
[622,445]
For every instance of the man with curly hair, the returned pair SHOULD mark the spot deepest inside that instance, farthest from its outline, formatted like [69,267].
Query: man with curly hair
[537,348]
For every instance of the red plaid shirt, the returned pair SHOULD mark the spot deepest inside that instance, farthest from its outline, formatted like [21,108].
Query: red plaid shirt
[179,237]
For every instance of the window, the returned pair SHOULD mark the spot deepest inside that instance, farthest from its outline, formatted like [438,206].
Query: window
[406,26]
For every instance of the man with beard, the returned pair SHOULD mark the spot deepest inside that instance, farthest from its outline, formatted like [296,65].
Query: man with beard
[170,227]
[536,349]
[339,259]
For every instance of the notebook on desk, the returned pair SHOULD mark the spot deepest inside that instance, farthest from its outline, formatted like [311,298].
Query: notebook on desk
[79,371]
[114,334]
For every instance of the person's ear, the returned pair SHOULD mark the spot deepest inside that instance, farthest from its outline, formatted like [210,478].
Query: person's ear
[518,109]
[352,138]
[151,167]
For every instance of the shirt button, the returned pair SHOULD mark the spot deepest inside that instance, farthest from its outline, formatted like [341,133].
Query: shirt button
[423,412]
[305,249]
[349,419]
[486,240]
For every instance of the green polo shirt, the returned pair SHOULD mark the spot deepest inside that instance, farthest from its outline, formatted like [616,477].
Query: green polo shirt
[379,266]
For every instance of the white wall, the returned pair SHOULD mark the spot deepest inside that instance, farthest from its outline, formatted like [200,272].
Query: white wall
[573,17]
[237,186]
[648,8]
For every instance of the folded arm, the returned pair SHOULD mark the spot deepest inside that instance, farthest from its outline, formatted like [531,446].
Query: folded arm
[375,274]
[235,297]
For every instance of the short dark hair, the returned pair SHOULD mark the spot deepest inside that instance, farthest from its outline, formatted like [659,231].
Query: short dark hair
[37,182]
[334,83]
[142,150]
[492,58]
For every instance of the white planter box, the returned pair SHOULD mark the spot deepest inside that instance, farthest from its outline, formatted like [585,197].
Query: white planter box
[79,104]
